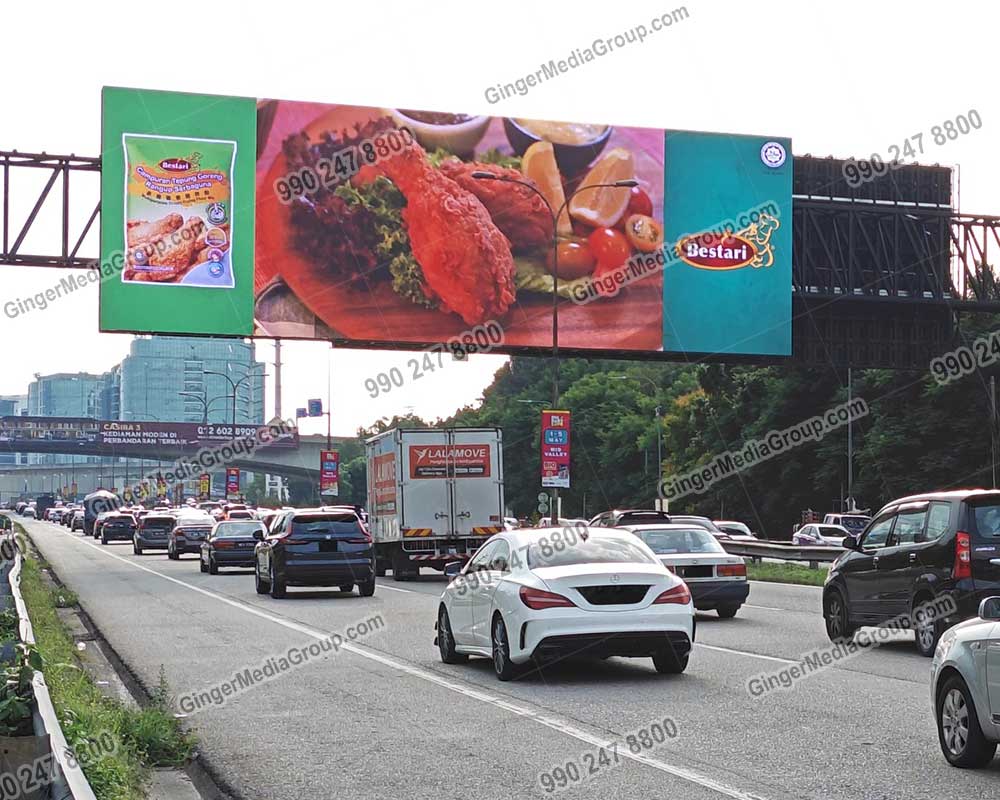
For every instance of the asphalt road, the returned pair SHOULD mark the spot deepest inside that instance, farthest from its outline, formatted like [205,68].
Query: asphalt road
[383,718]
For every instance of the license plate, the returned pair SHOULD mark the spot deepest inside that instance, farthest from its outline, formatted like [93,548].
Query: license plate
[245,544]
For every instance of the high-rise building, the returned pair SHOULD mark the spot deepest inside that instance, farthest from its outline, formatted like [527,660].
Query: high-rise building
[187,379]
[13,405]
[65,394]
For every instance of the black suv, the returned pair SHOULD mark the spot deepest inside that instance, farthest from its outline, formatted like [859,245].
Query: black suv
[915,550]
[315,548]
[117,528]
[629,516]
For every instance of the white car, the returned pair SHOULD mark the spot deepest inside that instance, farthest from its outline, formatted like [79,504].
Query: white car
[737,531]
[530,596]
[965,689]
[715,579]
[818,535]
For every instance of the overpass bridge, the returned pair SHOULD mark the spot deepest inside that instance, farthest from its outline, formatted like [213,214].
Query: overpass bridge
[135,461]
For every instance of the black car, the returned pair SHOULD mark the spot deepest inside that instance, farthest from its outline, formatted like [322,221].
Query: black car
[630,516]
[153,532]
[188,534]
[916,550]
[315,548]
[231,543]
[117,528]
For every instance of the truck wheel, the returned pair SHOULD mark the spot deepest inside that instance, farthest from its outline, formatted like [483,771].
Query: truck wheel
[400,566]
[380,568]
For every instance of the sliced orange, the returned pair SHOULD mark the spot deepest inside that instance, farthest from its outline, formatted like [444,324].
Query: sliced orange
[539,164]
[604,206]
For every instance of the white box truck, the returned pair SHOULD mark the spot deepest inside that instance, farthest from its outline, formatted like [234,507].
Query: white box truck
[434,495]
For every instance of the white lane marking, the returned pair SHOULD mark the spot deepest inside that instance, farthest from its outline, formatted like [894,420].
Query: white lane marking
[786,610]
[397,589]
[554,723]
[745,653]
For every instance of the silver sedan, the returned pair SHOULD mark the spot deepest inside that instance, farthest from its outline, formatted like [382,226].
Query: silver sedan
[965,688]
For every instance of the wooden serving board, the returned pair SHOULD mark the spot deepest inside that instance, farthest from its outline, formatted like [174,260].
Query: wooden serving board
[632,320]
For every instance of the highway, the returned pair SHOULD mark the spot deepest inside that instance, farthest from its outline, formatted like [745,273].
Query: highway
[384,718]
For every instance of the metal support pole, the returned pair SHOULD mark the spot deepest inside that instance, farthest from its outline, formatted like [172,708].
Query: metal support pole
[850,447]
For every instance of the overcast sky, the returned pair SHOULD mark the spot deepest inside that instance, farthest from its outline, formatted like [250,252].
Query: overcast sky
[844,78]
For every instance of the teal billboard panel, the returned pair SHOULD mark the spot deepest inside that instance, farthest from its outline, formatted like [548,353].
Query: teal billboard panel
[727,288]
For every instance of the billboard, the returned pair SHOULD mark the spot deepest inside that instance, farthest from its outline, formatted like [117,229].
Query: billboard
[232,482]
[555,449]
[386,227]
[181,434]
[329,472]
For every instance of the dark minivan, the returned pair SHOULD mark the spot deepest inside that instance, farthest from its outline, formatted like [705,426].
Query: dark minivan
[315,548]
[938,546]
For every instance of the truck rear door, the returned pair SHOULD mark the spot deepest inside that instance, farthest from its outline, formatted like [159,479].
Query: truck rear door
[476,481]
[426,508]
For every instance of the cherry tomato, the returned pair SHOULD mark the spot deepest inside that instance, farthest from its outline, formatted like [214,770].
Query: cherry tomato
[610,247]
[644,232]
[639,203]
[575,259]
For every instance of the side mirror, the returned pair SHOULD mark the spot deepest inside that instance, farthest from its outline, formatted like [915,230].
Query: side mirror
[258,535]
[849,543]
[990,608]
[452,569]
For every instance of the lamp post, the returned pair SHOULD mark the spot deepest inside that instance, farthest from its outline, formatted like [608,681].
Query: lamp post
[484,175]
[205,404]
[659,432]
[234,385]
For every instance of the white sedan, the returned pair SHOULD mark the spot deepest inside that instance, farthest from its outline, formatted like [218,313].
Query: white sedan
[815,535]
[532,596]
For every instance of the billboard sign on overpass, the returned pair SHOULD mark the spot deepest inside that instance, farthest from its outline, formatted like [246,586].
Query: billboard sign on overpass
[397,228]
[116,433]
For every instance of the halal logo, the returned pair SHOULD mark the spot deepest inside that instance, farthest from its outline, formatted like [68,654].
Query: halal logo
[773,154]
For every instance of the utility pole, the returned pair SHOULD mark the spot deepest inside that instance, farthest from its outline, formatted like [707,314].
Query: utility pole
[277,378]
[850,447]
[993,427]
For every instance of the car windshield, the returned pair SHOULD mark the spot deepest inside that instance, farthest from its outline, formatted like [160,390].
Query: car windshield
[855,524]
[831,530]
[593,550]
[157,524]
[227,529]
[692,540]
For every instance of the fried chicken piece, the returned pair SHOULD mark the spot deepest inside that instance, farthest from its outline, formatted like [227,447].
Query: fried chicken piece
[174,249]
[516,210]
[144,232]
[465,258]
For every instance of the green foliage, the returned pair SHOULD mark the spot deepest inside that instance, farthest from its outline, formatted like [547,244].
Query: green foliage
[116,745]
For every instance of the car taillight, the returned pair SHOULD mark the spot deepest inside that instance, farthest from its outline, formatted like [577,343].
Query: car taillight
[731,570]
[963,556]
[679,594]
[222,544]
[364,538]
[539,600]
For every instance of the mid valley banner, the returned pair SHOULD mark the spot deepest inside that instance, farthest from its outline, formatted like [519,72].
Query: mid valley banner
[390,227]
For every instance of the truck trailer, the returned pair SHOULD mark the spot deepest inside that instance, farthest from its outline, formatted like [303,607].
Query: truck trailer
[434,496]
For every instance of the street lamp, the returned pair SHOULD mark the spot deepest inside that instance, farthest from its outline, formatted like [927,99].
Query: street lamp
[234,385]
[205,404]
[484,175]
[659,432]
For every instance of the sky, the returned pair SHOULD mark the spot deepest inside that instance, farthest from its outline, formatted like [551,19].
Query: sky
[846,79]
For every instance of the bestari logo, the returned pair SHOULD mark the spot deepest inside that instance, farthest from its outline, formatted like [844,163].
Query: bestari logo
[176,164]
[717,251]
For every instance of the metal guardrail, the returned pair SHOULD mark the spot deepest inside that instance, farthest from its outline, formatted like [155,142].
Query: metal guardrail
[68,782]
[784,552]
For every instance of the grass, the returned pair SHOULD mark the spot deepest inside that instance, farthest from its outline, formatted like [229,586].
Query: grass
[126,742]
[786,573]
